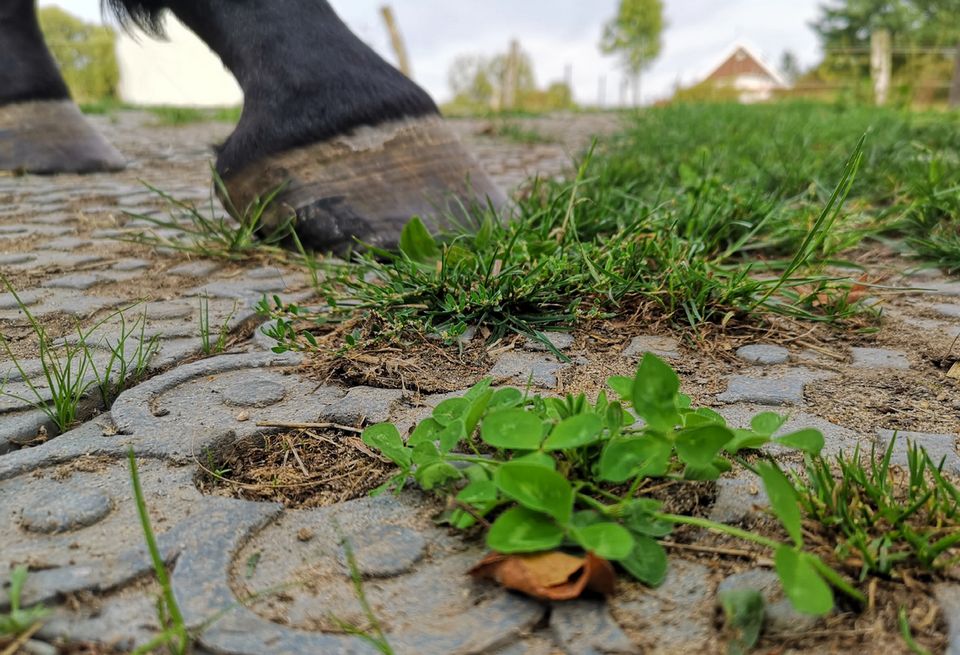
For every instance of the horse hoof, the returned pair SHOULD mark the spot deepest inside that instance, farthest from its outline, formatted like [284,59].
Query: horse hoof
[52,136]
[363,187]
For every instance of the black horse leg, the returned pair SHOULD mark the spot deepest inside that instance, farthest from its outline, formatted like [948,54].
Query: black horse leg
[357,147]
[41,130]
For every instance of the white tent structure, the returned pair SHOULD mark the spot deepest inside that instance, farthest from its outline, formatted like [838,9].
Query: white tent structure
[180,71]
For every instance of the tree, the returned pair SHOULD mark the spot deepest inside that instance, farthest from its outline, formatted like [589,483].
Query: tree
[84,53]
[849,23]
[636,34]
[480,83]
[789,66]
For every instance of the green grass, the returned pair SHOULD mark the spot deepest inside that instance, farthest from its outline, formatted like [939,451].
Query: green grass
[176,116]
[18,619]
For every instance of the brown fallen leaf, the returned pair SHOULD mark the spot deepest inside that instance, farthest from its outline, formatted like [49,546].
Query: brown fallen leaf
[548,576]
[954,371]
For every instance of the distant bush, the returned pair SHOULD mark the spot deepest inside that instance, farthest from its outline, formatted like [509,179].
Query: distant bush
[85,54]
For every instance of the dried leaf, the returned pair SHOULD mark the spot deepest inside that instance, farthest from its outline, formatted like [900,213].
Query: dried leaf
[954,371]
[548,576]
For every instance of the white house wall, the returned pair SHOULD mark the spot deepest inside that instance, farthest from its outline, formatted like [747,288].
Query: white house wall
[181,71]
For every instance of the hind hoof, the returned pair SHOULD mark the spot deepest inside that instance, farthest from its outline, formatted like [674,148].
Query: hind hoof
[363,187]
[52,136]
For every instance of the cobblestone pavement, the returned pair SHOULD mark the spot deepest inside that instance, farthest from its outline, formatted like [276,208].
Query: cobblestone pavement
[65,502]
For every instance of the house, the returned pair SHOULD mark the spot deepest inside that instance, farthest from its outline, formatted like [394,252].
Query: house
[180,71]
[744,71]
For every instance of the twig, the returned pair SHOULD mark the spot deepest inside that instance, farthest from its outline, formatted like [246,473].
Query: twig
[21,639]
[730,552]
[296,455]
[309,426]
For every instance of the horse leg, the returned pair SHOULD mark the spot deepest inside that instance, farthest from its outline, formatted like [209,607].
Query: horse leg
[41,130]
[356,148]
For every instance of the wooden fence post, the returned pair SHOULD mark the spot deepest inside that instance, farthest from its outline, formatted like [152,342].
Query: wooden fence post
[396,40]
[512,77]
[881,64]
[955,85]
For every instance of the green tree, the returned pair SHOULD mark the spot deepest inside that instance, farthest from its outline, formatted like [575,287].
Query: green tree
[85,54]
[479,83]
[636,34]
[849,24]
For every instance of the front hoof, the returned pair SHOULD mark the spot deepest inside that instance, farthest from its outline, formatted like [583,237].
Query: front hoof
[52,136]
[363,187]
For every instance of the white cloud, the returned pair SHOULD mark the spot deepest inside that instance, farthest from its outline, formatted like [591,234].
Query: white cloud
[562,32]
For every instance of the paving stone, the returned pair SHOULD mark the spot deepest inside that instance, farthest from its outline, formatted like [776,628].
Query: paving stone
[783,389]
[28,298]
[22,428]
[385,551]
[764,354]
[663,347]
[879,358]
[254,393]
[363,405]
[68,243]
[131,265]
[541,370]
[780,615]
[678,618]
[465,617]
[948,595]
[201,268]
[585,627]
[64,509]
[79,281]
[938,446]
[950,311]
[738,499]
[16,258]
[560,340]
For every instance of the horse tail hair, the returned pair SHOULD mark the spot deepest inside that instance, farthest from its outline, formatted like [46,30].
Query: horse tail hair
[145,14]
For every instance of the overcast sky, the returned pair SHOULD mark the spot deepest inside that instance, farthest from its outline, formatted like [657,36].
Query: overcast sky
[558,33]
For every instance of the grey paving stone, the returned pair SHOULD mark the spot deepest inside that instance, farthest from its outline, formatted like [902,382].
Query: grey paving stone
[201,268]
[16,258]
[938,446]
[879,358]
[560,340]
[68,243]
[764,354]
[64,509]
[663,347]
[585,627]
[948,310]
[28,298]
[363,405]
[253,393]
[941,288]
[385,551]
[948,595]
[79,281]
[738,499]
[21,428]
[244,287]
[685,597]
[836,438]
[540,369]
[55,260]
[131,265]
[465,617]
[782,389]
[780,614]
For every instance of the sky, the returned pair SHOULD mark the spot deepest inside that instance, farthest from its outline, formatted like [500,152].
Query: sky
[562,33]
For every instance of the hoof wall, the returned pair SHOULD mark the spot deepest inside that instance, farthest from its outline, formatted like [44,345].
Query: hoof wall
[365,186]
[52,136]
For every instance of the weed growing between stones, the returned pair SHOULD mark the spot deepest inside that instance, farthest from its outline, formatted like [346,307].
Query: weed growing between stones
[216,236]
[209,345]
[374,635]
[175,636]
[19,624]
[577,251]
[565,473]
[69,368]
[885,520]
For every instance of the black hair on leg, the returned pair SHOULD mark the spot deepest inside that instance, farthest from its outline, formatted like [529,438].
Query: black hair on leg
[145,14]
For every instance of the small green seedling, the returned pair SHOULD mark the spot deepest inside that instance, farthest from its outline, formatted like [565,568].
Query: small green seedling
[18,619]
[209,345]
[744,613]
